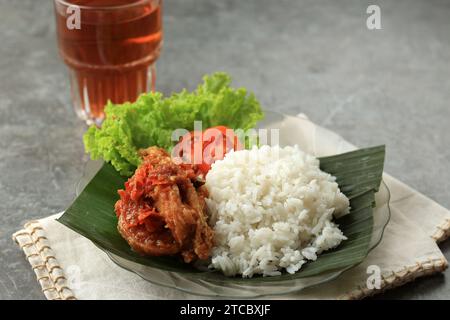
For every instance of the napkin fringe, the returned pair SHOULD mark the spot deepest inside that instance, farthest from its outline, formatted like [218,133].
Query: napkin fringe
[407,274]
[443,231]
[49,273]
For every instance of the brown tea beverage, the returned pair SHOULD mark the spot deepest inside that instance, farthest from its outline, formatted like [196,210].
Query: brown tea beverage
[110,52]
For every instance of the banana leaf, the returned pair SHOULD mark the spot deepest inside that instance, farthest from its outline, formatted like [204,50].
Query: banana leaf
[358,174]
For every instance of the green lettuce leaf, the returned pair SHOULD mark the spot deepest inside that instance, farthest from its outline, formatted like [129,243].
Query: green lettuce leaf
[152,118]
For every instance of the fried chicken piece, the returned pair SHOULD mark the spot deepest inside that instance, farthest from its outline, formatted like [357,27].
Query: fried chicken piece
[161,212]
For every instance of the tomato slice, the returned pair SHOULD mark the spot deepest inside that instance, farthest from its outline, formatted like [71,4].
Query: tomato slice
[213,143]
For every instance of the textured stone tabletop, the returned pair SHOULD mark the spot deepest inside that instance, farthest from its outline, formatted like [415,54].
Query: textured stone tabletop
[388,86]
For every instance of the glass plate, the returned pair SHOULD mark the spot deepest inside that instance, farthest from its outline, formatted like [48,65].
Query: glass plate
[292,130]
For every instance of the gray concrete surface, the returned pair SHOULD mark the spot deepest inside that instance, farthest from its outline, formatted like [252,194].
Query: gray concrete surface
[315,56]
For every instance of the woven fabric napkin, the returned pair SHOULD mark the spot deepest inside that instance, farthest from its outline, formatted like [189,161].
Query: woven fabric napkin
[68,266]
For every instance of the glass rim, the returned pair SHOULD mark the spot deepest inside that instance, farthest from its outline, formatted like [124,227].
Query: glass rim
[112,7]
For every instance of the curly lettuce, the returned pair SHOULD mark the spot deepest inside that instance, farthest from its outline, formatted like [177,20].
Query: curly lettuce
[152,118]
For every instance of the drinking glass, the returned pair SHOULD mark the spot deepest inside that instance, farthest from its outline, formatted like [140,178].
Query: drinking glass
[110,48]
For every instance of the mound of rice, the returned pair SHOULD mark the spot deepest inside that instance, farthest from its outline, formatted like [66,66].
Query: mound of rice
[272,210]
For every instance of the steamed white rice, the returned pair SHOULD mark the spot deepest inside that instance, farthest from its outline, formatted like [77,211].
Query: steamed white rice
[272,210]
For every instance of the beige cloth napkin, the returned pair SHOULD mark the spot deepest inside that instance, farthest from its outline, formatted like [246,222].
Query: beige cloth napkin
[68,266]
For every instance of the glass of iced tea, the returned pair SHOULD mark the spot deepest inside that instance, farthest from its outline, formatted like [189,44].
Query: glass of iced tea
[110,47]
